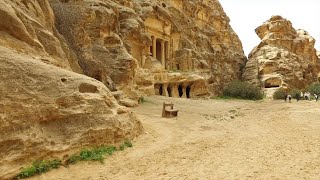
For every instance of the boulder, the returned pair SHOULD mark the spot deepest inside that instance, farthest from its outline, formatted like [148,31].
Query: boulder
[285,58]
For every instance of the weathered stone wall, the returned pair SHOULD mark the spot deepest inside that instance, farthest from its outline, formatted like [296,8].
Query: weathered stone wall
[125,39]
[285,57]
[46,107]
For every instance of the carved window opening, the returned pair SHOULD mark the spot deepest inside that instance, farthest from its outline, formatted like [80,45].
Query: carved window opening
[158,50]
[272,83]
[150,51]
[180,91]
[188,89]
[178,67]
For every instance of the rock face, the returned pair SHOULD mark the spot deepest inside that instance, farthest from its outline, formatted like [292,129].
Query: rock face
[46,107]
[65,65]
[285,57]
[140,43]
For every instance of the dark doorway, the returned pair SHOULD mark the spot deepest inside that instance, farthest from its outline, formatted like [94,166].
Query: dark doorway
[151,51]
[188,91]
[271,85]
[169,91]
[160,90]
[180,91]
[158,45]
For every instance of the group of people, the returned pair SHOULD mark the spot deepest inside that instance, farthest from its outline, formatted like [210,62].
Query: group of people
[301,96]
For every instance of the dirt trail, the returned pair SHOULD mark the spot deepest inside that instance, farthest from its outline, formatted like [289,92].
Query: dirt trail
[215,139]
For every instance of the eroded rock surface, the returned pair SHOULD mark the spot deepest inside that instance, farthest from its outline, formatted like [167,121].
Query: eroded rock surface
[285,57]
[46,107]
[135,41]
[177,48]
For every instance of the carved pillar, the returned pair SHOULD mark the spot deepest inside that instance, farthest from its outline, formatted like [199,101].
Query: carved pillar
[167,55]
[154,47]
[174,90]
[164,90]
[163,54]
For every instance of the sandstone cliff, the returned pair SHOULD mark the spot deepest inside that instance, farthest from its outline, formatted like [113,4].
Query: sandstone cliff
[177,48]
[153,47]
[285,57]
[45,107]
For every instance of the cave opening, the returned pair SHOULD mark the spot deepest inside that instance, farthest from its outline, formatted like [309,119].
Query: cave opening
[160,90]
[158,50]
[169,91]
[188,89]
[180,91]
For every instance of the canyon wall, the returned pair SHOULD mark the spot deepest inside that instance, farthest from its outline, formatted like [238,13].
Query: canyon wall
[176,48]
[67,65]
[46,106]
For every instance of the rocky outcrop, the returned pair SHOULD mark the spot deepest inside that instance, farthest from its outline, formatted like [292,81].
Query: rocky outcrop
[133,41]
[285,57]
[46,107]
[28,27]
[124,48]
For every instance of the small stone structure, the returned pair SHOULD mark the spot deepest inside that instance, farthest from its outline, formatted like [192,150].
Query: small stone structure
[168,113]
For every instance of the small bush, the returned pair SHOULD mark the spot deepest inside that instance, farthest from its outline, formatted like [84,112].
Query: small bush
[38,167]
[242,90]
[295,93]
[124,145]
[141,100]
[313,88]
[279,94]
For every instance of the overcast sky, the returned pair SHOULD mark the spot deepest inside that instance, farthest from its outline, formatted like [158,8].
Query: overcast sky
[247,15]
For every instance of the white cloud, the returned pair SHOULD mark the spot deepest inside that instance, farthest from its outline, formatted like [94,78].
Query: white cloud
[247,15]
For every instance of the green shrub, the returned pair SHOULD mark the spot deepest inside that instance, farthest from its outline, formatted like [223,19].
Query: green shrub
[242,90]
[141,100]
[96,154]
[313,88]
[279,94]
[295,93]
[38,167]
[124,145]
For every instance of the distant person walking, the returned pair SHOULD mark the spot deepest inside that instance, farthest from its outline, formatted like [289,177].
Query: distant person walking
[305,96]
[316,97]
[289,98]
[285,97]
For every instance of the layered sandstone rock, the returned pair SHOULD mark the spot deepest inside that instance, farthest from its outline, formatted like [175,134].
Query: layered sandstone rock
[134,41]
[285,57]
[46,108]
[177,48]
[28,27]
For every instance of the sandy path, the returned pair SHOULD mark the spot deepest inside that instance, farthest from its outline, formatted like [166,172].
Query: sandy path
[215,139]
